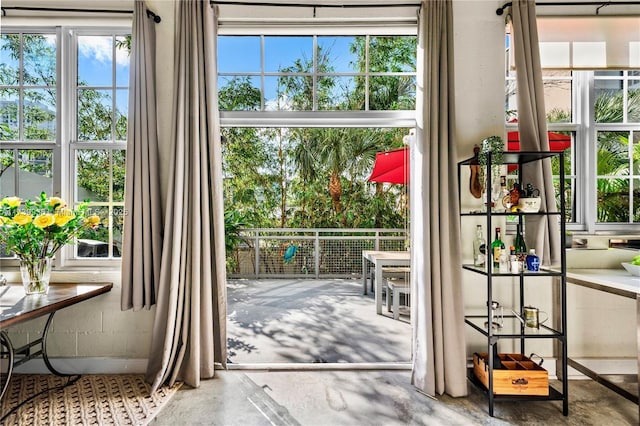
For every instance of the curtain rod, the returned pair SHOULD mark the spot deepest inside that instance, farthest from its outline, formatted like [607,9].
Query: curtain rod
[150,14]
[338,6]
[600,4]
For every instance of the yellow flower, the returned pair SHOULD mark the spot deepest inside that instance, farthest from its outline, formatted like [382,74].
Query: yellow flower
[5,220]
[11,201]
[22,218]
[92,221]
[44,220]
[57,202]
[63,216]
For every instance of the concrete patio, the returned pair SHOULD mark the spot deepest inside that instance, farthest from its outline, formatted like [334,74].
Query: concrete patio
[311,321]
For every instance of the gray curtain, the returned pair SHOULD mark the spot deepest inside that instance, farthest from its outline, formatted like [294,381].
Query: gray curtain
[541,232]
[439,353]
[142,236]
[189,333]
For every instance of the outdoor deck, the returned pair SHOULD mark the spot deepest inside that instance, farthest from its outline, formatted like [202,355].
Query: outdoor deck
[311,321]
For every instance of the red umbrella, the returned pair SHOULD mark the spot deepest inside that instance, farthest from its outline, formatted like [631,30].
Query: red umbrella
[557,142]
[391,167]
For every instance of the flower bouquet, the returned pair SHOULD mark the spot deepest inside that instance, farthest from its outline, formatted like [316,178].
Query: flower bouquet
[35,230]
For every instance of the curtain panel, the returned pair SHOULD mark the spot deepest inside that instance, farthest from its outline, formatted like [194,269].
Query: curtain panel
[542,232]
[142,235]
[189,333]
[439,352]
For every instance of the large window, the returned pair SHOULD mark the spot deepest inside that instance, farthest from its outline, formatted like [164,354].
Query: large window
[63,118]
[319,73]
[598,111]
[303,117]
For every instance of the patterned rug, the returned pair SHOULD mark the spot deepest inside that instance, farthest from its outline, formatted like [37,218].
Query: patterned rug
[102,399]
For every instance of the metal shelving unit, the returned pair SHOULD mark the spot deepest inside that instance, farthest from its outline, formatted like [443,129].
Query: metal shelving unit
[513,328]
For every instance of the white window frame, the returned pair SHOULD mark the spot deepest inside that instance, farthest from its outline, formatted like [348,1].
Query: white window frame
[66,143]
[406,118]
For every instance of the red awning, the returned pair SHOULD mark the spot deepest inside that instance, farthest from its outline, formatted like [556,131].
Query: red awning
[391,167]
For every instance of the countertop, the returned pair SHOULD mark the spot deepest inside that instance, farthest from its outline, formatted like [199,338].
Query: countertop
[618,279]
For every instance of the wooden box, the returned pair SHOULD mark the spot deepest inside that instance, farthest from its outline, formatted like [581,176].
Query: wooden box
[520,375]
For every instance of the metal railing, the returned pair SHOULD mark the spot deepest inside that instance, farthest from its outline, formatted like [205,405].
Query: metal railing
[310,252]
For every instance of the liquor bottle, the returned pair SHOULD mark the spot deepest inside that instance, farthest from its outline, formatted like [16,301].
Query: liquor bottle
[518,242]
[479,248]
[496,249]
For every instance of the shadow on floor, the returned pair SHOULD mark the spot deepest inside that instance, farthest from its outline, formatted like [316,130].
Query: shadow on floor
[307,321]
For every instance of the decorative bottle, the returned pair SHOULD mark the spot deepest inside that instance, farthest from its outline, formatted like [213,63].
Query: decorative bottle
[479,248]
[533,261]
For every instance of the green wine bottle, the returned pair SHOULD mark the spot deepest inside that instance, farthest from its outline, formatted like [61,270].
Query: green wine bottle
[496,249]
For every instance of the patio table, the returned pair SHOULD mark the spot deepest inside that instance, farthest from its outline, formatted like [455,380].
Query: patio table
[380,259]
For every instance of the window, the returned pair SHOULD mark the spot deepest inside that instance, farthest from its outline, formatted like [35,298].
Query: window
[303,116]
[599,109]
[63,121]
[318,72]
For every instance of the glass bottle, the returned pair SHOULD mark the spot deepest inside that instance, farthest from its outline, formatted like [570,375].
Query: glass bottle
[518,242]
[479,248]
[533,261]
[496,249]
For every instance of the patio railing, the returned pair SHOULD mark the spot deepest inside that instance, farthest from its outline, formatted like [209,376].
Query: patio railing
[310,253]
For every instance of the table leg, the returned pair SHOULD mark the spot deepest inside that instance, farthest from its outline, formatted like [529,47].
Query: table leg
[365,273]
[378,295]
[5,341]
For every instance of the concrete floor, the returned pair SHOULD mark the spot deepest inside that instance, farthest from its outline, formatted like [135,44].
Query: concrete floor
[318,321]
[373,398]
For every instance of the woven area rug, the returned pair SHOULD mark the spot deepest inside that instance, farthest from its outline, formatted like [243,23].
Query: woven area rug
[101,399]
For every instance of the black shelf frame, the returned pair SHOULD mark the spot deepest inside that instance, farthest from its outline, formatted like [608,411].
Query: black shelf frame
[520,158]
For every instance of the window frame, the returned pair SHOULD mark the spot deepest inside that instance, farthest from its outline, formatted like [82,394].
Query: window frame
[321,118]
[66,142]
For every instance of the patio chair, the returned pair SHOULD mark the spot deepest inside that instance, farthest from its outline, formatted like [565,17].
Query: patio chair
[389,272]
[395,287]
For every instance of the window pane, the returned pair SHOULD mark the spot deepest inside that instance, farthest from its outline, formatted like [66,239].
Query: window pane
[39,60]
[613,200]
[36,172]
[392,93]
[337,93]
[289,93]
[336,53]
[557,100]
[635,152]
[230,61]
[633,107]
[9,99]
[95,242]
[288,54]
[117,223]
[39,114]
[119,156]
[92,175]
[392,54]
[95,61]
[123,53]
[608,101]
[9,55]
[122,110]
[612,154]
[7,170]
[94,115]
[239,93]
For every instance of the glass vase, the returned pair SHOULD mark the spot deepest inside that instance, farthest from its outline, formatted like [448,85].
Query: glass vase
[35,275]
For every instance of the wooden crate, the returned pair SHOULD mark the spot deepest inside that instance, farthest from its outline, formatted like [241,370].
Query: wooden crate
[520,376]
